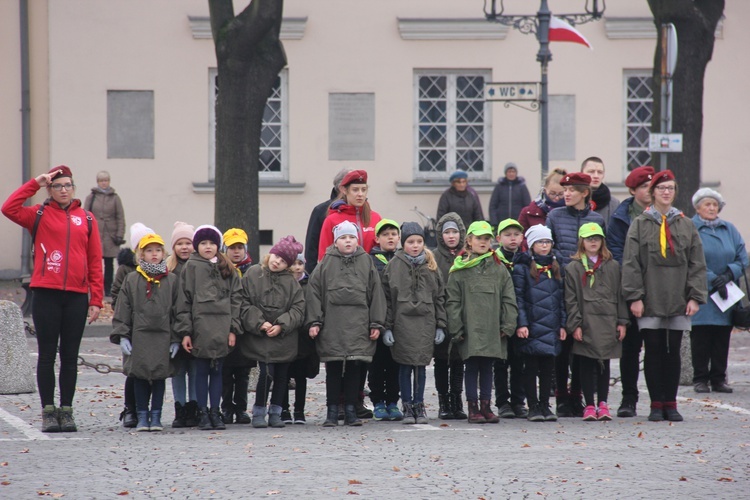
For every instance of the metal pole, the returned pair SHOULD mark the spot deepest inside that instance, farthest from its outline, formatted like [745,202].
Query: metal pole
[664,115]
[544,56]
[25,125]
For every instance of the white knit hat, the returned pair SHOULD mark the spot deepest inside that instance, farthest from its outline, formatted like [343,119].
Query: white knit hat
[345,227]
[536,233]
[138,231]
[703,193]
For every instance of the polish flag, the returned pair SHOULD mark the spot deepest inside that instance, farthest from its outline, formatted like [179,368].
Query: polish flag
[560,31]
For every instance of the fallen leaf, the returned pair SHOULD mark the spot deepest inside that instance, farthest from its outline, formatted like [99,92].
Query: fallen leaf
[283,471]
[350,492]
[526,445]
[25,450]
[444,425]
[414,475]
[396,469]
[579,463]
[640,434]
[273,492]
[354,481]
[726,479]
[3,464]
[618,466]
[698,452]
[5,483]
[683,478]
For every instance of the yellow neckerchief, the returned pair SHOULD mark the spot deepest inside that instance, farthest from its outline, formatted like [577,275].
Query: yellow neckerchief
[381,258]
[459,263]
[544,269]
[590,271]
[505,261]
[149,280]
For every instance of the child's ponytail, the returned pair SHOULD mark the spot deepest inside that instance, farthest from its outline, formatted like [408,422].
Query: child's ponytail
[429,258]
[226,268]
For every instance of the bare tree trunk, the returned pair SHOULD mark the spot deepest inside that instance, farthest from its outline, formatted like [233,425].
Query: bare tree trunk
[695,21]
[249,57]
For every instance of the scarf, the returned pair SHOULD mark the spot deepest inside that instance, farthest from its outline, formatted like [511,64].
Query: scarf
[543,264]
[152,273]
[415,261]
[713,224]
[665,235]
[590,271]
[460,264]
[501,254]
[601,196]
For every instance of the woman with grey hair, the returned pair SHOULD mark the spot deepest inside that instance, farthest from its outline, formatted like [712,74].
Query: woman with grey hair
[726,260]
[106,206]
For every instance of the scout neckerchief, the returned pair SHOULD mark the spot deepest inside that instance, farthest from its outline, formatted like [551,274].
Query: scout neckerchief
[665,237]
[381,258]
[152,273]
[501,255]
[590,271]
[460,263]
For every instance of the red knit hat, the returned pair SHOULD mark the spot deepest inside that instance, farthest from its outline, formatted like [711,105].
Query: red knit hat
[659,177]
[576,179]
[639,175]
[288,249]
[62,171]
[354,177]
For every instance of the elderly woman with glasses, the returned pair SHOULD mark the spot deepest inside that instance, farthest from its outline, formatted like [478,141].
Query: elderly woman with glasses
[664,282]
[726,261]
[550,196]
[66,284]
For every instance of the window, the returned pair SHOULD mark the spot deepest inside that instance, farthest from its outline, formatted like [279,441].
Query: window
[452,124]
[639,100]
[274,142]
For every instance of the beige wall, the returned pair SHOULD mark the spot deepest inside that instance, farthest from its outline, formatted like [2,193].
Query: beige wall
[348,46]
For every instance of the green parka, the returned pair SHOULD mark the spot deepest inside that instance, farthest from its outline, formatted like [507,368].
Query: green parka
[481,304]
[416,308]
[344,297]
[596,309]
[278,299]
[208,308]
[147,322]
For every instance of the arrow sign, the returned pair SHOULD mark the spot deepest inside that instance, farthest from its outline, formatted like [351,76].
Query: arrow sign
[520,91]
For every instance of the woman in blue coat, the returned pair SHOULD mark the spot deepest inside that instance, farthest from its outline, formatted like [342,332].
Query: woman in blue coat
[726,260]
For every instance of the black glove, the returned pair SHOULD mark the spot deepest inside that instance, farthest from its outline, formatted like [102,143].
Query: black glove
[720,282]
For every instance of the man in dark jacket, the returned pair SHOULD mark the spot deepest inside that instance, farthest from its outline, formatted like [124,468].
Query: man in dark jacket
[318,215]
[638,183]
[509,196]
[602,200]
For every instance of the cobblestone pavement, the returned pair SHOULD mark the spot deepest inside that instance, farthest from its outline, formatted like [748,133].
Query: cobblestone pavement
[708,454]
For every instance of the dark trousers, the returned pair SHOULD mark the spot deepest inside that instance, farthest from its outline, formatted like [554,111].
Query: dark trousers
[542,368]
[234,383]
[383,377]
[297,371]
[594,376]
[449,376]
[478,369]
[208,381]
[662,364]
[145,391]
[273,377]
[59,318]
[567,363]
[710,346]
[514,364]
[130,392]
[412,388]
[343,377]
[630,362]
[109,270]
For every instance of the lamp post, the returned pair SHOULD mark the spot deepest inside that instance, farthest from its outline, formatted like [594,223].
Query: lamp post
[539,25]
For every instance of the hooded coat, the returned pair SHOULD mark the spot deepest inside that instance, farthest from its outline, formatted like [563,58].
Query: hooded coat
[415,296]
[345,298]
[278,299]
[107,208]
[209,307]
[444,257]
[508,199]
[147,322]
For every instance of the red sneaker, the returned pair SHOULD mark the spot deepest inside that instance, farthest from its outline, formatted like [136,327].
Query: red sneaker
[589,413]
[604,411]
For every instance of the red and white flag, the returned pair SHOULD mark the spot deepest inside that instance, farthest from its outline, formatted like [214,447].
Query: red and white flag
[560,31]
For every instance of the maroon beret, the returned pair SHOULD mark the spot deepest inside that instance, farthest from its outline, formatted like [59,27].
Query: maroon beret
[354,177]
[638,176]
[659,177]
[63,170]
[576,179]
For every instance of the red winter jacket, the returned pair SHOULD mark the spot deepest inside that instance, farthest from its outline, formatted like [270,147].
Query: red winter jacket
[338,213]
[66,256]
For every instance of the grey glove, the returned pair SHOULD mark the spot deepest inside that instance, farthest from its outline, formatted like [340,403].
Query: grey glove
[125,346]
[174,348]
[439,336]
[388,338]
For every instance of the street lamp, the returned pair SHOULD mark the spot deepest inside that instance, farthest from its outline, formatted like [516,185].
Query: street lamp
[539,25]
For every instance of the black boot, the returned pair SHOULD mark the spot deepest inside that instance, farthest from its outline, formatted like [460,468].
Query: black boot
[204,422]
[179,416]
[445,411]
[458,407]
[350,416]
[332,420]
[192,417]
[128,417]
[217,422]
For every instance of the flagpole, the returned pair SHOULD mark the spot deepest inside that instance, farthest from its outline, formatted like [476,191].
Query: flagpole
[544,56]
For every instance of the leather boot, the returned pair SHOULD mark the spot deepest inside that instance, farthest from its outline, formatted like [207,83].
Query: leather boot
[216,421]
[49,419]
[350,416]
[259,417]
[179,416]
[408,410]
[274,417]
[486,410]
[142,425]
[332,419]
[475,416]
[458,406]
[444,411]
[128,418]
[155,424]
[192,418]
[204,422]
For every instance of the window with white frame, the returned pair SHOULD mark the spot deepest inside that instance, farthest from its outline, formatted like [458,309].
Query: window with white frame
[639,98]
[452,124]
[274,142]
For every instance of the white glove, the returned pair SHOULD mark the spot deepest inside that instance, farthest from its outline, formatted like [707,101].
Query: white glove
[388,338]
[439,336]
[174,348]
[125,346]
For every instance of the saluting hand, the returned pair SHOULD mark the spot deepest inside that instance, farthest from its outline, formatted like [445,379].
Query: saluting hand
[44,179]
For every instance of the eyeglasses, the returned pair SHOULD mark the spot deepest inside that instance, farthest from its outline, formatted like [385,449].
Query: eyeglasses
[543,242]
[60,187]
[552,194]
[665,189]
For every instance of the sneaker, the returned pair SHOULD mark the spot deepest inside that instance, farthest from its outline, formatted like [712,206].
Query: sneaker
[519,410]
[299,418]
[577,406]
[564,410]
[626,409]
[380,412]
[49,419]
[549,415]
[65,417]
[420,415]
[286,417]
[362,410]
[603,411]
[394,413]
[505,411]
[535,413]
[227,417]
[589,413]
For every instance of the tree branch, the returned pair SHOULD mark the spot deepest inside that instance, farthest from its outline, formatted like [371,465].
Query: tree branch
[258,18]
[221,12]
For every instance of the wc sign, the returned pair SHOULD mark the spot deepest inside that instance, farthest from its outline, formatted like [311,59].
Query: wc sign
[521,91]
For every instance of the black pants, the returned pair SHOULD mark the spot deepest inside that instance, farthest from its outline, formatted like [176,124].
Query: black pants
[662,364]
[566,363]
[146,391]
[109,270]
[630,361]
[275,374]
[343,377]
[449,376]
[383,376]
[540,367]
[594,376]
[515,395]
[130,392]
[234,385]
[478,377]
[710,346]
[59,318]
[297,372]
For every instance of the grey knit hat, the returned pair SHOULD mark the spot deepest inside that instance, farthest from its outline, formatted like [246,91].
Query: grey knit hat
[703,193]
